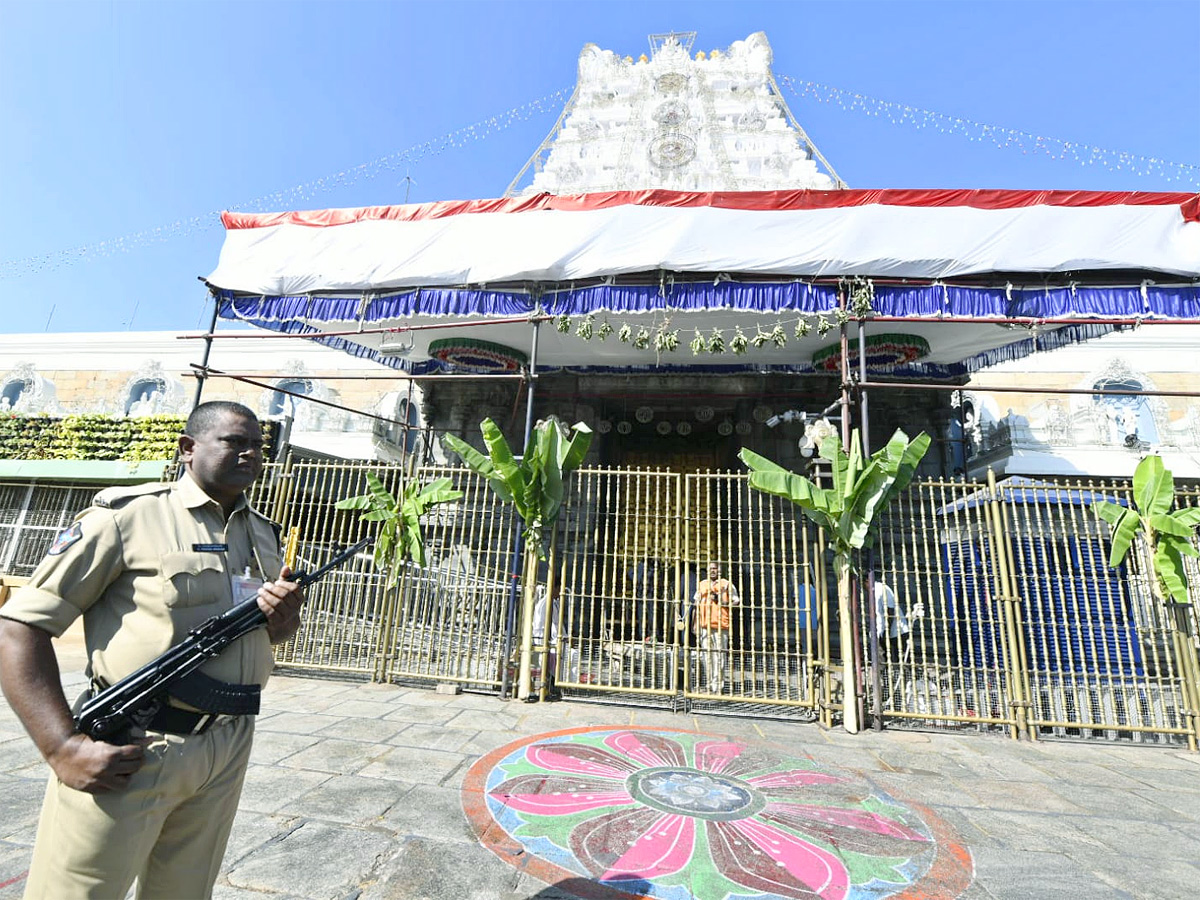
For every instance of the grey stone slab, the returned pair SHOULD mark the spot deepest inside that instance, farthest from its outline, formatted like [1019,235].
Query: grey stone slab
[428,715]
[314,860]
[1036,876]
[269,788]
[483,742]
[1186,781]
[1181,807]
[365,709]
[419,871]
[1153,839]
[476,720]
[335,756]
[1144,877]
[296,723]
[22,804]
[930,790]
[363,729]
[415,765]
[352,800]
[431,811]
[19,755]
[1104,800]
[1097,769]
[252,830]
[433,737]
[300,704]
[14,863]
[1033,832]
[272,746]
[1016,795]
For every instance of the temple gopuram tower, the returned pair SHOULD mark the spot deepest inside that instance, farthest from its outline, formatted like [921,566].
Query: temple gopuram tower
[678,121]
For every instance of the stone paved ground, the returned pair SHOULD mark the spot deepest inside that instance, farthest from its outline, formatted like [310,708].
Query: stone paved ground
[355,791]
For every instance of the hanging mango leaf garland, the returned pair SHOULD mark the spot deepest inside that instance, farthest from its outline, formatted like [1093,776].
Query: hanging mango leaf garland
[533,484]
[400,537]
[1168,535]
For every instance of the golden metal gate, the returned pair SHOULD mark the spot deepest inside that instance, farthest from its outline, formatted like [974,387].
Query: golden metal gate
[637,544]
[997,612]
[1006,615]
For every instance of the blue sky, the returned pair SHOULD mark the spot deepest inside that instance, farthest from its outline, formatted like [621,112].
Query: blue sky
[125,127]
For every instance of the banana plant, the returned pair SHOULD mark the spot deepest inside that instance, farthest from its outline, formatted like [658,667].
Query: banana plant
[534,485]
[847,511]
[400,538]
[1167,535]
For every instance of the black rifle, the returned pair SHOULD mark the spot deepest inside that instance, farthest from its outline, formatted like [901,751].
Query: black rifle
[132,702]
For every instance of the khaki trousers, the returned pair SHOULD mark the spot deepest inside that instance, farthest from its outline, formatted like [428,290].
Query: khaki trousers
[168,829]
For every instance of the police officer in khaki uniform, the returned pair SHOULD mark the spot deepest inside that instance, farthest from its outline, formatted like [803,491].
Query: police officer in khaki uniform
[142,566]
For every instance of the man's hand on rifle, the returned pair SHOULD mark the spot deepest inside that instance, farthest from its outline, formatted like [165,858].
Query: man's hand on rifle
[94,766]
[280,602]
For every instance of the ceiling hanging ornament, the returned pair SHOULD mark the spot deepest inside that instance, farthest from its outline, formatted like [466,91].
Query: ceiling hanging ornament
[473,355]
[884,351]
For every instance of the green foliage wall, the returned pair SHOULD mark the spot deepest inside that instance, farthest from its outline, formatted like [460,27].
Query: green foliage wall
[98,437]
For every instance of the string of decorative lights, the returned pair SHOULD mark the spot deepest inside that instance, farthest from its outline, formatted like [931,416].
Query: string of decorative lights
[1003,138]
[897,113]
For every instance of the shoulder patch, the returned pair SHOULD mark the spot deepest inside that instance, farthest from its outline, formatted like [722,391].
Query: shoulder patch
[113,497]
[66,539]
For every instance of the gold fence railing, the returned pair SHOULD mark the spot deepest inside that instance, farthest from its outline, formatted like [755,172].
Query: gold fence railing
[996,608]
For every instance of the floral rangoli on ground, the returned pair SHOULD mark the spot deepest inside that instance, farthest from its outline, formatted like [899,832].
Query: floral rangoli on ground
[621,812]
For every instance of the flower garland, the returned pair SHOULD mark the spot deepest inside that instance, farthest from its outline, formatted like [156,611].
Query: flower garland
[477,356]
[884,351]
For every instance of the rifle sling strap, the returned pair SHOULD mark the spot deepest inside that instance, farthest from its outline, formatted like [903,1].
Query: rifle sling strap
[214,696]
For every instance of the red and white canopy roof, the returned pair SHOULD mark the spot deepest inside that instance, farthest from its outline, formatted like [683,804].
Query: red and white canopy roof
[773,254]
[888,234]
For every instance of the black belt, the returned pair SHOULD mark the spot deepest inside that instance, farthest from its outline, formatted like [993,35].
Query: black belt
[173,720]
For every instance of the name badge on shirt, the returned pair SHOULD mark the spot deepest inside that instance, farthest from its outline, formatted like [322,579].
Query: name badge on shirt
[210,548]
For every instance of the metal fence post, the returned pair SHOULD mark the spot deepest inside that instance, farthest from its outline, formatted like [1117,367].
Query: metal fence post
[1008,595]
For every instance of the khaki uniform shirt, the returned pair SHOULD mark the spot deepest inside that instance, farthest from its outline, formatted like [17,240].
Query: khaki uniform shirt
[143,566]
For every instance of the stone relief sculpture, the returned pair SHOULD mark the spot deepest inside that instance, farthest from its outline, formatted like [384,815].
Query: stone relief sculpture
[25,391]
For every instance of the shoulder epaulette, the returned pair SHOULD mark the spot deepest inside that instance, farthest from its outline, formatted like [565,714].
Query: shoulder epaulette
[114,497]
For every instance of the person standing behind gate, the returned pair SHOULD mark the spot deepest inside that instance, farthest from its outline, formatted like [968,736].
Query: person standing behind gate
[143,566]
[714,597]
[891,624]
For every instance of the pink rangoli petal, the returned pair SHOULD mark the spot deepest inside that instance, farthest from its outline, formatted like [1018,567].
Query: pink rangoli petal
[858,819]
[791,778]
[713,756]
[564,804]
[579,760]
[821,871]
[649,749]
[664,849]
